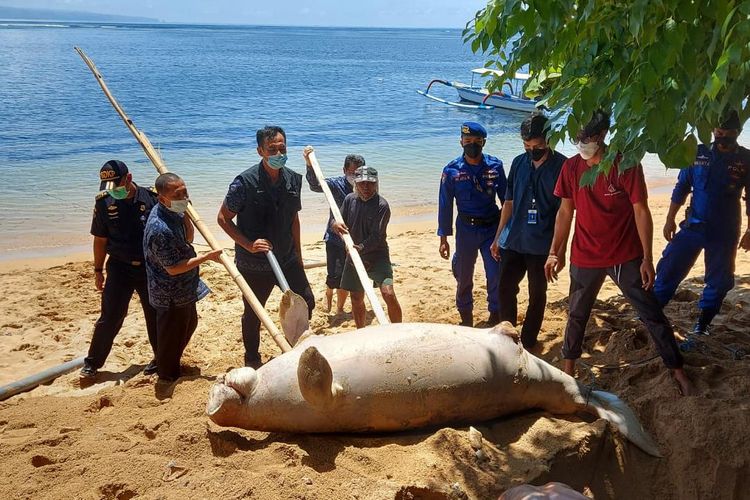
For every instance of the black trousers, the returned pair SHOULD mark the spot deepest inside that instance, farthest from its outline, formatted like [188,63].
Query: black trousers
[585,284]
[175,326]
[513,267]
[121,280]
[262,283]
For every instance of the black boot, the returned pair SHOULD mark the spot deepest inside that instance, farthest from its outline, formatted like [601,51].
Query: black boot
[467,318]
[493,319]
[703,322]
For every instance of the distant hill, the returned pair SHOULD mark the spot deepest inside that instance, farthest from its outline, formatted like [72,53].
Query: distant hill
[18,13]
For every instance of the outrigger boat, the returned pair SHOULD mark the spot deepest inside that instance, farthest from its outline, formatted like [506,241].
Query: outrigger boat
[478,97]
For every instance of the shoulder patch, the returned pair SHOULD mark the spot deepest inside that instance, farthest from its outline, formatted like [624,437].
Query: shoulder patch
[101,195]
[152,189]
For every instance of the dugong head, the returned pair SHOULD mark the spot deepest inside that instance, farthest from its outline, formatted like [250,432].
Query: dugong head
[228,393]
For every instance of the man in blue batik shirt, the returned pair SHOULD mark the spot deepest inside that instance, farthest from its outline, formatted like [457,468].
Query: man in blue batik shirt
[527,223]
[712,221]
[340,186]
[474,180]
[172,269]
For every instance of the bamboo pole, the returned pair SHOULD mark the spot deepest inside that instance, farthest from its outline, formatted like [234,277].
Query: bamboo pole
[192,213]
[356,259]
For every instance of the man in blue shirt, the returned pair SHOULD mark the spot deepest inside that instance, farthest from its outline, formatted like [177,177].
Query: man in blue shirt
[340,186]
[266,201]
[712,221]
[473,180]
[172,269]
[527,223]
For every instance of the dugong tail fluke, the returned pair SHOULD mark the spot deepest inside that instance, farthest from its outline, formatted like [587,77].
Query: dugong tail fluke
[611,408]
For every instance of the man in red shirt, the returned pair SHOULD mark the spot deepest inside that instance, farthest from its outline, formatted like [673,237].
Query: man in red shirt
[613,236]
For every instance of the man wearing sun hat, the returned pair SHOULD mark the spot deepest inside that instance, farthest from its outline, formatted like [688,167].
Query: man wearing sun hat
[366,215]
[120,214]
[475,181]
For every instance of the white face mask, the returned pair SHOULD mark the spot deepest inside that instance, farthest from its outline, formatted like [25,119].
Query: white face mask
[178,206]
[350,179]
[587,151]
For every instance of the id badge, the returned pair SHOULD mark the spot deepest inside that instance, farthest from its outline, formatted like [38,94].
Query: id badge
[532,218]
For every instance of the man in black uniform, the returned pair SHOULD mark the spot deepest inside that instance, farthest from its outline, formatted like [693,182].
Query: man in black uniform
[120,214]
[265,199]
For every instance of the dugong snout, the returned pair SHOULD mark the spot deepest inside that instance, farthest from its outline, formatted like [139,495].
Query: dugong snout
[229,392]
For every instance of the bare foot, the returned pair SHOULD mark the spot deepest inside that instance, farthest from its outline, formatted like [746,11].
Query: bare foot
[569,367]
[329,299]
[686,386]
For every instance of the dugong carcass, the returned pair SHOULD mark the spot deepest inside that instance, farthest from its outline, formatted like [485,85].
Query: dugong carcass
[404,376]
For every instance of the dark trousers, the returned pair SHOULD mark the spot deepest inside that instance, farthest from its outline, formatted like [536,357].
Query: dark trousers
[680,255]
[262,283]
[513,267]
[585,284]
[471,240]
[335,258]
[175,326]
[121,280]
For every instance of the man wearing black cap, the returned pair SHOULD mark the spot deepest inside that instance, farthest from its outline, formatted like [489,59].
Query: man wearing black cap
[366,215]
[712,221]
[474,180]
[120,214]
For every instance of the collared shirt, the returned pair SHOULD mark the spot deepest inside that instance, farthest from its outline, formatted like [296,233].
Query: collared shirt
[474,187]
[367,222]
[265,210]
[339,187]
[122,223]
[165,245]
[605,230]
[532,188]
[716,181]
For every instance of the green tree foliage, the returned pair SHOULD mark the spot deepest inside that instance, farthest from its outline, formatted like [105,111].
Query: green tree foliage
[667,69]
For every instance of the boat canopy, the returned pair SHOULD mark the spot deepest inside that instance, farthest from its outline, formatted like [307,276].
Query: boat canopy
[499,74]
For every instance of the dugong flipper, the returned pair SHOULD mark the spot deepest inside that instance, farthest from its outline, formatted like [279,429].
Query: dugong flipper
[404,376]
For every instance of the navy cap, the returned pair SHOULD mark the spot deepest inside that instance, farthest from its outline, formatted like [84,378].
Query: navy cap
[731,121]
[111,174]
[473,128]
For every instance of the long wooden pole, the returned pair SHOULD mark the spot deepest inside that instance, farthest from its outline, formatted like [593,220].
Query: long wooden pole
[209,237]
[356,259]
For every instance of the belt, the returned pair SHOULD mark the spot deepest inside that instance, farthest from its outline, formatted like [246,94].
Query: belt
[134,263]
[479,221]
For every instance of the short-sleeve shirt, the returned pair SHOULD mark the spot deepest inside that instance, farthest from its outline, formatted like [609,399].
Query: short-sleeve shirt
[122,223]
[532,187]
[605,231]
[368,223]
[475,189]
[265,210]
[165,245]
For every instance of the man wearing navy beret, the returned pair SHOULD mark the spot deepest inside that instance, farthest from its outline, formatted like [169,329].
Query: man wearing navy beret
[474,180]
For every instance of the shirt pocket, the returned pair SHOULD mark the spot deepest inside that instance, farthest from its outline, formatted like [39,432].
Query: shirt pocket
[464,190]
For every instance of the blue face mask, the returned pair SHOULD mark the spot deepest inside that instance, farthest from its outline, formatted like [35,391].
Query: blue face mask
[277,161]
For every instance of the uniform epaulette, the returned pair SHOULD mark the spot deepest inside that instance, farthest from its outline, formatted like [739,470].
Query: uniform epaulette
[152,189]
[101,194]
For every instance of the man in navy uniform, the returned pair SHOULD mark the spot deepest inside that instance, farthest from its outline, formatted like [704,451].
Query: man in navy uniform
[340,186]
[474,180]
[712,221]
[120,214]
[265,200]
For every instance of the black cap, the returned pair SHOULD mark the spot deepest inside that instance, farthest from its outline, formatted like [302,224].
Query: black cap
[731,121]
[111,174]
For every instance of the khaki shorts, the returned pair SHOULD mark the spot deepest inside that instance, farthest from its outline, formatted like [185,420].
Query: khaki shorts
[380,272]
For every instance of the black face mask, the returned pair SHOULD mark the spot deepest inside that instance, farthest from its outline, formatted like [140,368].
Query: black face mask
[726,141]
[472,150]
[537,154]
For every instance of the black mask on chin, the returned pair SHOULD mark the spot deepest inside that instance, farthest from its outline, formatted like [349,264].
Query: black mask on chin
[472,150]
[725,141]
[537,154]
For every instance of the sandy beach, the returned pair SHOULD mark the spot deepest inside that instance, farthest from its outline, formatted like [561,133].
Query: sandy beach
[116,439]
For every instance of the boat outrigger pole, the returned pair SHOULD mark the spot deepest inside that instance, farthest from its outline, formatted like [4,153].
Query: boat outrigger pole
[162,169]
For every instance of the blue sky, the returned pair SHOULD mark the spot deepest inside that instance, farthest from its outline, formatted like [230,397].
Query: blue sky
[389,13]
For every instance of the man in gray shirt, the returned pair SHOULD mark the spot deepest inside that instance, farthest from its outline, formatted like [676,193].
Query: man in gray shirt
[366,215]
